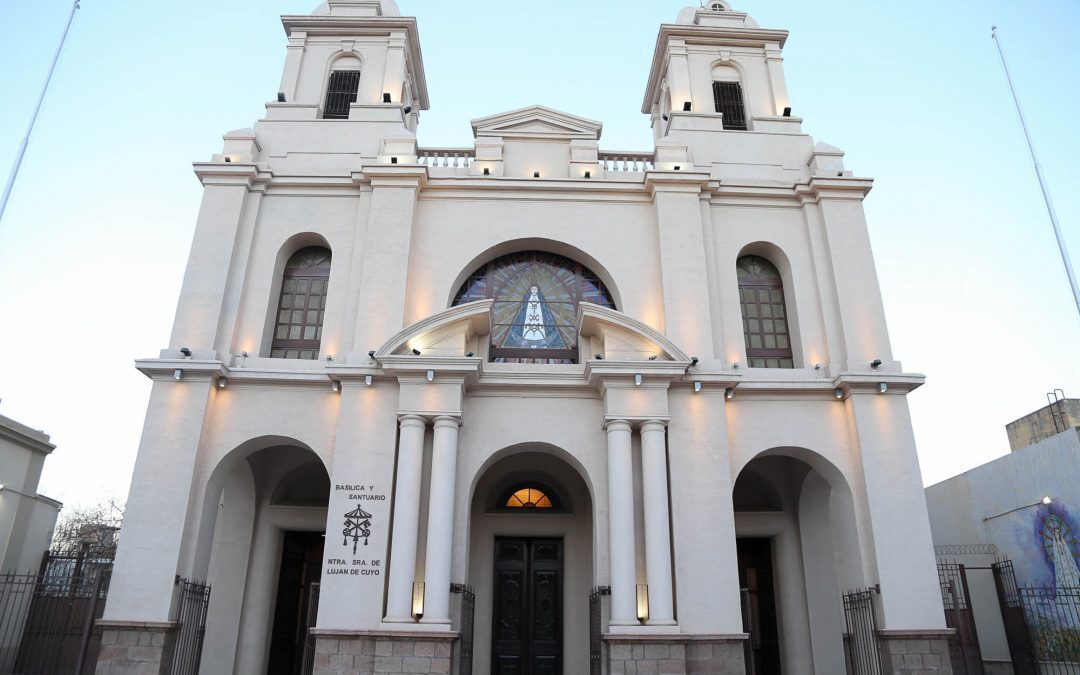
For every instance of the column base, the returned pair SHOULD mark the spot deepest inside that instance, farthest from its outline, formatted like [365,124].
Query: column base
[911,652]
[135,647]
[339,652]
[676,654]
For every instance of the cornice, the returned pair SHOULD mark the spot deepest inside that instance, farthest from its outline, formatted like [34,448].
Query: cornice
[24,436]
[834,188]
[692,182]
[232,173]
[393,175]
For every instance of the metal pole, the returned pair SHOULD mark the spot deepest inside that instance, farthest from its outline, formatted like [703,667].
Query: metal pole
[33,119]
[1039,173]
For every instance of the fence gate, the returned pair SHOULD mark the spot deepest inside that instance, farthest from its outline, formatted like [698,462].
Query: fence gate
[465,637]
[964,649]
[860,638]
[1012,617]
[191,627]
[596,626]
[312,604]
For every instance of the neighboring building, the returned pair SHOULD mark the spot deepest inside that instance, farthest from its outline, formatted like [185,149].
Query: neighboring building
[26,517]
[531,368]
[1024,508]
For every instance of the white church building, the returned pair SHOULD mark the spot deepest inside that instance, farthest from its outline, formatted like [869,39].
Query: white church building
[531,406]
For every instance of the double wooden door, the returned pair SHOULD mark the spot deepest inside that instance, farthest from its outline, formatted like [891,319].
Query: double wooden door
[527,623]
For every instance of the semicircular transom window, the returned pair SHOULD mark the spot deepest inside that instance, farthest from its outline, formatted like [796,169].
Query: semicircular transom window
[529,498]
[536,294]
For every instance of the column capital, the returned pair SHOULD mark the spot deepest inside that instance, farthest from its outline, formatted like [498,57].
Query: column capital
[406,421]
[655,424]
[443,421]
[617,424]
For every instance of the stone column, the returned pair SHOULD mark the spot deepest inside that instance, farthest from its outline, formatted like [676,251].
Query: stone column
[654,477]
[621,524]
[406,520]
[440,523]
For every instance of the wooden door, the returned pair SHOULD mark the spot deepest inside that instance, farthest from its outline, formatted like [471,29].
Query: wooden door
[527,607]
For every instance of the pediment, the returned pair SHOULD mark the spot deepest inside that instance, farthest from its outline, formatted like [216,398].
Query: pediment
[537,122]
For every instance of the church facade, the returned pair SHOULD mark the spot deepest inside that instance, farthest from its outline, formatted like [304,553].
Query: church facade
[530,406]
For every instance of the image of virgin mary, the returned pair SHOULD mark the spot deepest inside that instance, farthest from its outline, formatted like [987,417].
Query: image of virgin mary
[534,326]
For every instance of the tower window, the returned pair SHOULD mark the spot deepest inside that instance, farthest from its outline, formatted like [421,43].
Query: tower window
[765,318]
[344,85]
[729,102]
[298,330]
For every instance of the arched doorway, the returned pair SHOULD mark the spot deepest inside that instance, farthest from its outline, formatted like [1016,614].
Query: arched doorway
[531,565]
[797,548]
[262,556]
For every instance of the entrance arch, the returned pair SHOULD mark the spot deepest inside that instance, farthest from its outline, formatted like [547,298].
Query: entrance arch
[798,550]
[532,567]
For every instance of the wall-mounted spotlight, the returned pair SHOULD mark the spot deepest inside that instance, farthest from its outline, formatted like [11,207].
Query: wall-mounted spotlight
[588,174]
[393,160]
[386,97]
[228,160]
[178,375]
[329,357]
[637,379]
[470,355]
[186,352]
[416,352]
[882,387]
[665,117]
[487,171]
[729,393]
[431,376]
[371,354]
[222,382]
[643,602]
[536,174]
[408,109]
[839,393]
[678,168]
[735,365]
[817,366]
[368,379]
[281,97]
[693,361]
[335,386]
[598,357]
[1046,500]
[687,106]
[697,386]
[653,357]
[875,364]
[418,600]
[787,111]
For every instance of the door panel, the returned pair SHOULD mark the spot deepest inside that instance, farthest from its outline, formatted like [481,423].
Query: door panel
[527,623]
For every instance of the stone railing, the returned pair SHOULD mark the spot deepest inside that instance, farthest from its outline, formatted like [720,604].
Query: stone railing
[620,160]
[446,157]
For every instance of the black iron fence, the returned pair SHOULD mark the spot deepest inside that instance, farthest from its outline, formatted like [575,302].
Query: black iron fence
[964,652]
[861,650]
[465,627]
[191,626]
[1053,621]
[596,626]
[312,603]
[47,620]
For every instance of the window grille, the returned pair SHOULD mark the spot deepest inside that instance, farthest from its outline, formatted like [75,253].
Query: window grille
[344,85]
[298,329]
[729,102]
[765,319]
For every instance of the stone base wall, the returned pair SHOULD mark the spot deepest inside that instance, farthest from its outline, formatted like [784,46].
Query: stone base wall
[135,649]
[339,653]
[675,654]
[915,652]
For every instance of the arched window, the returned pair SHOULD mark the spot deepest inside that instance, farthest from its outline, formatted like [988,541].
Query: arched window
[536,294]
[765,317]
[342,89]
[298,329]
[728,97]
[529,498]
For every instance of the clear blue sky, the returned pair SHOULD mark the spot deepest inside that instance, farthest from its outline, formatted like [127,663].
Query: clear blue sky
[94,244]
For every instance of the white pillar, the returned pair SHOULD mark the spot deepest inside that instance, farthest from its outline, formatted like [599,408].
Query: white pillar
[440,523]
[621,524]
[654,483]
[406,520]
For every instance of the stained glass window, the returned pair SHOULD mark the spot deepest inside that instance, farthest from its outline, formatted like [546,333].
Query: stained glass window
[529,498]
[536,294]
[298,328]
[765,319]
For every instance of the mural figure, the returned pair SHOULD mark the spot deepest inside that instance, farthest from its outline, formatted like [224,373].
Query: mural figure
[1060,543]
[534,326]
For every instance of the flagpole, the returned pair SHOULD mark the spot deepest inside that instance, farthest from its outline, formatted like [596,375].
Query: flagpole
[1038,172]
[33,119]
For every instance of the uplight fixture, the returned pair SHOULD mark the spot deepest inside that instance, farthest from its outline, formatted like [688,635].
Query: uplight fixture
[697,386]
[386,97]
[186,352]
[335,386]
[839,393]
[729,393]
[875,364]
[222,382]
[368,380]
[393,160]
[536,174]
[487,171]
[408,109]
[678,168]
[588,174]
[418,600]
[178,375]
[281,97]
[687,106]
[431,376]
[882,387]
[643,602]
[598,357]
[637,379]
[416,352]
[787,111]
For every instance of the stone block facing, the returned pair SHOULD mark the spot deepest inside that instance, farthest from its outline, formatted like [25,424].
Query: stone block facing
[135,648]
[675,654]
[376,653]
[915,652]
